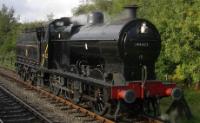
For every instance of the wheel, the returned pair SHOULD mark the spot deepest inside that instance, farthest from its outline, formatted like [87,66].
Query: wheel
[74,93]
[74,86]
[151,107]
[56,82]
[76,97]
[24,75]
[40,78]
[100,106]
[56,90]
[28,74]
[33,78]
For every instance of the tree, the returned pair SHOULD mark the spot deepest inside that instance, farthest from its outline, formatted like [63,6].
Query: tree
[8,29]
[95,5]
[178,22]
[83,9]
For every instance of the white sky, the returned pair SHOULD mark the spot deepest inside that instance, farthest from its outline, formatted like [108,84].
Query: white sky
[32,10]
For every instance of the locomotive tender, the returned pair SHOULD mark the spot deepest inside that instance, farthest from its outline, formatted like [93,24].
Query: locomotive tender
[109,67]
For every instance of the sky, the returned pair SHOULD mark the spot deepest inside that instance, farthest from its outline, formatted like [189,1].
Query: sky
[36,10]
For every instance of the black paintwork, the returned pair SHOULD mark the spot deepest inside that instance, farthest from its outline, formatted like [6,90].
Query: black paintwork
[119,47]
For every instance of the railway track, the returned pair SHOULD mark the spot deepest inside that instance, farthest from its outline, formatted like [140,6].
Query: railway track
[149,119]
[14,110]
[84,114]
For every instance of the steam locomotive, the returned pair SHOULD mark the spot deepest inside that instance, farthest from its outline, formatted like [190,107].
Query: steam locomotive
[110,67]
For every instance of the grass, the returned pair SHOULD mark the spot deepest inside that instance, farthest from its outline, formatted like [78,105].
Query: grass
[193,99]
[7,61]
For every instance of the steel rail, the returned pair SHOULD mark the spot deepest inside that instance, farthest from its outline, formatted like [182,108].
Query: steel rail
[26,106]
[60,100]
[78,108]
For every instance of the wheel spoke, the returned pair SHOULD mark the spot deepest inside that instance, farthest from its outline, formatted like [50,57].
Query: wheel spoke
[99,106]
[102,106]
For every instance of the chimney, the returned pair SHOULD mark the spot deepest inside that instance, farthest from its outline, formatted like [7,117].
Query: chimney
[131,11]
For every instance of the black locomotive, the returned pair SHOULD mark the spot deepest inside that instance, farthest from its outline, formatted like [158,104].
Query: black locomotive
[109,67]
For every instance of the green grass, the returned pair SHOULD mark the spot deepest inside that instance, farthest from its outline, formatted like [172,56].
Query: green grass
[8,61]
[193,99]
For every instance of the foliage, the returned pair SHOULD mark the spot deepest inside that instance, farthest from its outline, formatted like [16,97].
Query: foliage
[192,97]
[178,22]
[8,30]
[32,25]
[96,5]
[82,9]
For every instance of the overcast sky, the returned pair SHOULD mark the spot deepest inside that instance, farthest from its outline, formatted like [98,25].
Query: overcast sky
[31,10]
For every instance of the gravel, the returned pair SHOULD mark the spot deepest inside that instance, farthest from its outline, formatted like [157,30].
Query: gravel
[46,106]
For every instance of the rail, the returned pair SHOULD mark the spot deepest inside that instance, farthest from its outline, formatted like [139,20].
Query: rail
[77,108]
[18,115]
[59,100]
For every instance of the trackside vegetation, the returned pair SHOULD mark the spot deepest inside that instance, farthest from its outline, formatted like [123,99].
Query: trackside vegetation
[178,22]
